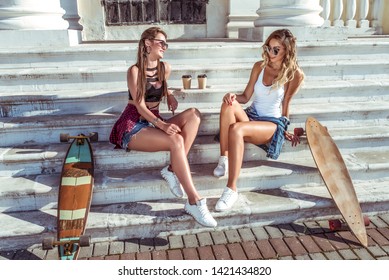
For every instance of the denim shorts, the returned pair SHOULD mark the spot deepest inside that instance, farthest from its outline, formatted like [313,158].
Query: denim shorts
[128,135]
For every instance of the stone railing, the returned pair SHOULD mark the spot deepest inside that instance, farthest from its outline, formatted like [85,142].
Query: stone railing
[350,14]
[353,13]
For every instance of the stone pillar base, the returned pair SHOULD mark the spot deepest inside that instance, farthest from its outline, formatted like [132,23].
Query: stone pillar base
[260,34]
[39,38]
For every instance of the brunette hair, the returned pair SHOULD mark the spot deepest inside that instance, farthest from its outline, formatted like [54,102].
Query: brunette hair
[141,63]
[289,64]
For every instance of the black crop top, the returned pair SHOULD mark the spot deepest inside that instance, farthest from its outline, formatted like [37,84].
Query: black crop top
[152,93]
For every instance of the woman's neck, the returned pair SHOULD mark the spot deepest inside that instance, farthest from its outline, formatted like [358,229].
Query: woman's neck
[152,64]
[275,66]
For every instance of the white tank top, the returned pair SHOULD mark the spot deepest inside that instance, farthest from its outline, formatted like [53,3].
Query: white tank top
[267,100]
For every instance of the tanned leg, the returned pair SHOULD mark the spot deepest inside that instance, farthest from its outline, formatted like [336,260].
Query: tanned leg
[229,114]
[154,140]
[189,122]
[253,132]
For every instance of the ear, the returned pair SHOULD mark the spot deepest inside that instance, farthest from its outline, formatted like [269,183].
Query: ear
[147,42]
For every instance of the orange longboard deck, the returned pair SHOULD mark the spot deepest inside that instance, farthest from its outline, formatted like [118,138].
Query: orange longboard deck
[75,195]
[336,177]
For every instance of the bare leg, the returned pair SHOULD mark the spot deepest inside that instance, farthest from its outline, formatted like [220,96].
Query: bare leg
[255,132]
[189,122]
[153,140]
[228,116]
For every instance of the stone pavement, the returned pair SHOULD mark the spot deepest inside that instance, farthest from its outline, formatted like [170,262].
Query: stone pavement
[297,241]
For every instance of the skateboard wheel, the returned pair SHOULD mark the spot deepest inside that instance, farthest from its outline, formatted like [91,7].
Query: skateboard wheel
[298,131]
[94,137]
[48,243]
[84,240]
[334,224]
[64,137]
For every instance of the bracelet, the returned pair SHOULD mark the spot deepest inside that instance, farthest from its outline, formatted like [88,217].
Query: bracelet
[154,121]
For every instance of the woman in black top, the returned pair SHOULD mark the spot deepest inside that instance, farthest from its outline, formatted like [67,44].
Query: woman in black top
[141,128]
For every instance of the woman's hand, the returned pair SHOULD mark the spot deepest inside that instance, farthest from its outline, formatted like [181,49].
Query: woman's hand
[229,98]
[292,138]
[172,103]
[171,128]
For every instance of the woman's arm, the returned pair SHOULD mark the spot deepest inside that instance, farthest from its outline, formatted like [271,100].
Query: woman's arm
[170,98]
[245,96]
[292,88]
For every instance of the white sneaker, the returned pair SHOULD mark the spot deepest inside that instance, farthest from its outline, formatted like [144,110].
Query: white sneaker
[200,213]
[173,182]
[222,167]
[228,198]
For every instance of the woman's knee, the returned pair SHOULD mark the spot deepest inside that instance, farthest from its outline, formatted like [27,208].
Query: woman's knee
[226,108]
[192,117]
[195,114]
[235,131]
[176,142]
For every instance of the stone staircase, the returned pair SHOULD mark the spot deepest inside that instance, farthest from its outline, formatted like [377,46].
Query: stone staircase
[82,89]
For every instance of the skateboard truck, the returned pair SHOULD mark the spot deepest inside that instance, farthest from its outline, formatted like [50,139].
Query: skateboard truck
[340,224]
[65,137]
[48,243]
[299,131]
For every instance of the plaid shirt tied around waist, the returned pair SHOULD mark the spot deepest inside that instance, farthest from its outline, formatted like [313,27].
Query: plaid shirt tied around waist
[126,122]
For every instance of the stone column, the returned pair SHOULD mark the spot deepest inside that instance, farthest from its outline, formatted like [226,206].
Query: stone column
[32,15]
[33,23]
[301,17]
[242,13]
[289,13]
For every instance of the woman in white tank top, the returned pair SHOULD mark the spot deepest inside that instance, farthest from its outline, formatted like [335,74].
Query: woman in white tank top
[273,82]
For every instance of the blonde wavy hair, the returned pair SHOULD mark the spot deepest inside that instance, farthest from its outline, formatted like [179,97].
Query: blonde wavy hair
[289,64]
[150,34]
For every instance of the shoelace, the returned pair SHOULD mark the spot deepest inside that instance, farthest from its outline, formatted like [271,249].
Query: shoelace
[226,197]
[171,179]
[203,210]
[221,161]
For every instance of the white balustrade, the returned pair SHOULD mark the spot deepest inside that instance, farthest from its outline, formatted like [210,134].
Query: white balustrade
[363,12]
[353,14]
[326,5]
[350,13]
[338,11]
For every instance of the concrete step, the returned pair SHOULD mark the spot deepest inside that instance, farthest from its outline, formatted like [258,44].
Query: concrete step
[150,219]
[46,129]
[106,54]
[104,77]
[112,101]
[41,159]
[137,177]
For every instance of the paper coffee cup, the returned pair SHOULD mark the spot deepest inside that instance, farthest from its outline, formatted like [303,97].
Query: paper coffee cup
[186,81]
[202,81]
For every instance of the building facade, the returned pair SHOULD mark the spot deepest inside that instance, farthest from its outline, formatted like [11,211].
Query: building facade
[52,22]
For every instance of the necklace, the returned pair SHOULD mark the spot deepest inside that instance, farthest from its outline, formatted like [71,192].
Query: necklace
[151,69]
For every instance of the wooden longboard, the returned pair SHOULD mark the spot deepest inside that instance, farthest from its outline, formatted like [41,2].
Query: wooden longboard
[336,177]
[74,198]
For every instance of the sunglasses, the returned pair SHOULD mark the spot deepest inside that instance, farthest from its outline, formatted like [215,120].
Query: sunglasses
[162,43]
[274,50]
